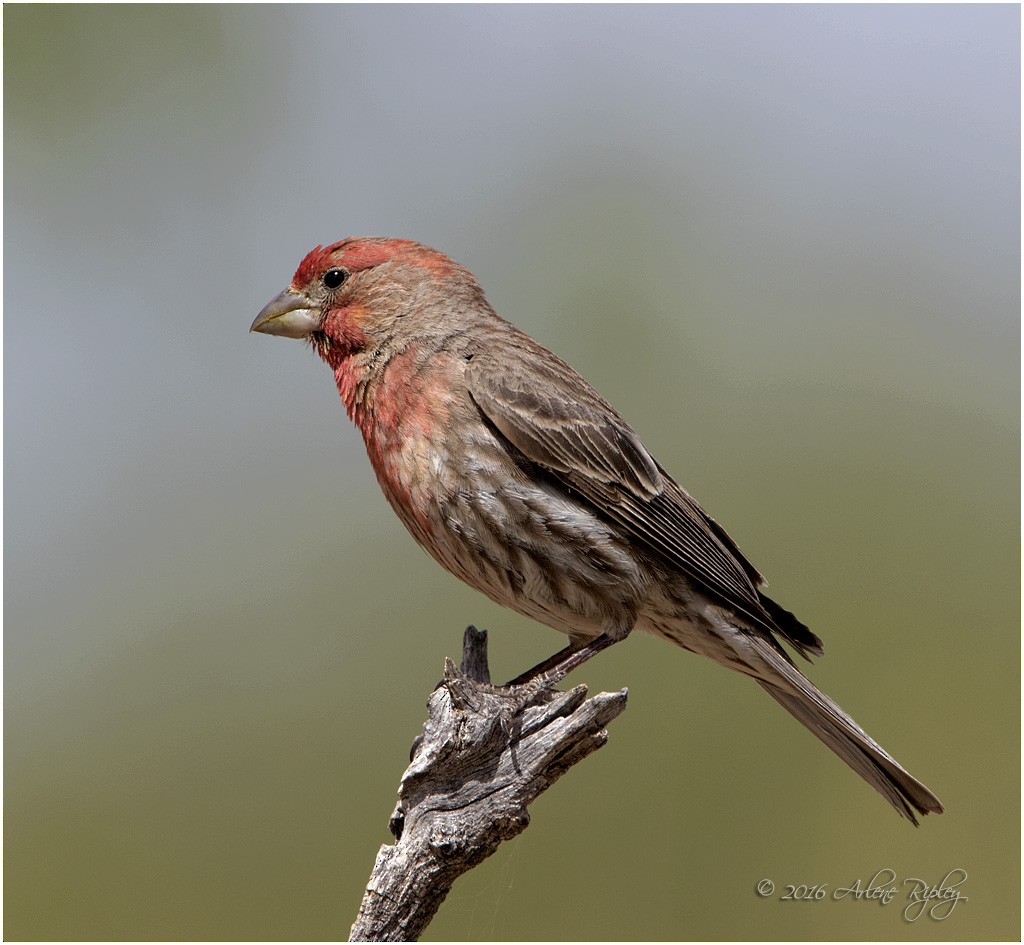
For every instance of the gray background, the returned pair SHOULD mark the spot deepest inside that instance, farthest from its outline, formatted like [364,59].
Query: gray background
[784,241]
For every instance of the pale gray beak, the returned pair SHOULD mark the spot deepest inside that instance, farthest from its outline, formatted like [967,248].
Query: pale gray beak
[289,315]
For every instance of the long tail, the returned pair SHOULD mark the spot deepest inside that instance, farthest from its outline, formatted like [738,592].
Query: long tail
[798,696]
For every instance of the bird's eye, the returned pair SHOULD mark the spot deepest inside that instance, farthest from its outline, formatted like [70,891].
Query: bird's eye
[333,278]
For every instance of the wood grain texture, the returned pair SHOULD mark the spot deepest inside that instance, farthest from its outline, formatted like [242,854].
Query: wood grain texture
[485,754]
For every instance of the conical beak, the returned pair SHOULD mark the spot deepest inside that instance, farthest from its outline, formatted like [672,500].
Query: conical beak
[289,315]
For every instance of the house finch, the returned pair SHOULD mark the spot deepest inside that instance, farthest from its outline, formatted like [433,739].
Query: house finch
[520,479]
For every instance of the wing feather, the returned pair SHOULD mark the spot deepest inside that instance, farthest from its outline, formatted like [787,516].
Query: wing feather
[558,421]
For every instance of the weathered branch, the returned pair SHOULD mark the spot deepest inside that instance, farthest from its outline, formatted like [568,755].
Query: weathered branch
[484,755]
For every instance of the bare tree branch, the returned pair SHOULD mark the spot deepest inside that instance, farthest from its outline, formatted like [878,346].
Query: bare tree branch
[484,755]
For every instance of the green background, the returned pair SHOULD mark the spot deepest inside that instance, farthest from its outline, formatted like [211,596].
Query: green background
[784,241]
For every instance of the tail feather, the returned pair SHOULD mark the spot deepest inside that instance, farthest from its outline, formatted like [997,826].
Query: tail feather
[848,740]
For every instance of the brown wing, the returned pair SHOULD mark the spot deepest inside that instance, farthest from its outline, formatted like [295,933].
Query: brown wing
[558,421]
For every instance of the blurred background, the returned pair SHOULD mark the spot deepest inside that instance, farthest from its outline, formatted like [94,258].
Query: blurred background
[783,241]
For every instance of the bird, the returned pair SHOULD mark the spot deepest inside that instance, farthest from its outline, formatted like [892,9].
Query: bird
[520,479]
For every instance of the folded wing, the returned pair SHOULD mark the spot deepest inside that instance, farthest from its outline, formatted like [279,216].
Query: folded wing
[559,422]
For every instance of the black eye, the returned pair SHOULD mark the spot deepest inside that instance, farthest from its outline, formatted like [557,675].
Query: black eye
[333,278]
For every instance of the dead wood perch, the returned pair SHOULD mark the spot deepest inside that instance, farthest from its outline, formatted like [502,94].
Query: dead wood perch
[484,755]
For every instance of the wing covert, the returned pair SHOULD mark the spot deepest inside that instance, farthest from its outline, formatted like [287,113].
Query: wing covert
[558,421]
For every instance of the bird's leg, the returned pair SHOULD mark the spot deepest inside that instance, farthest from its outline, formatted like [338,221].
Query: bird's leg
[557,673]
[543,667]
[555,668]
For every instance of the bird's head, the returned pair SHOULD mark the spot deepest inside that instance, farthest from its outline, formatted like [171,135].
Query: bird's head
[364,292]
